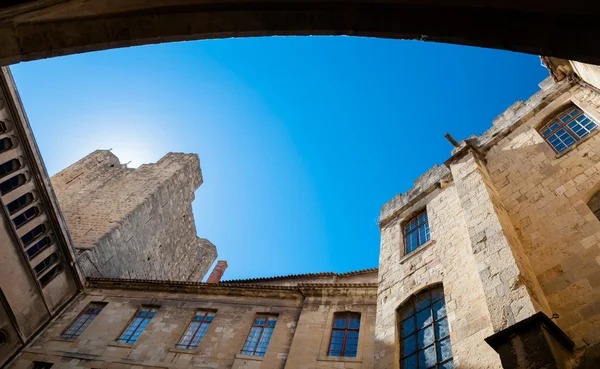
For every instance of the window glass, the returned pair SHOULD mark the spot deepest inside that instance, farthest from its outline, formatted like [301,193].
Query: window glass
[84,319]
[196,330]
[11,184]
[416,232]
[260,335]
[138,324]
[424,332]
[19,203]
[567,128]
[344,334]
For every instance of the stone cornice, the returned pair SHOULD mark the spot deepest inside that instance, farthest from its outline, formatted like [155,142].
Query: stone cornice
[237,289]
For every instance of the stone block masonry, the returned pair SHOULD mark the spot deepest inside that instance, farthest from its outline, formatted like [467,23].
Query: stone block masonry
[135,223]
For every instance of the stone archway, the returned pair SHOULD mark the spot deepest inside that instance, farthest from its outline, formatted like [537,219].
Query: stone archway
[34,29]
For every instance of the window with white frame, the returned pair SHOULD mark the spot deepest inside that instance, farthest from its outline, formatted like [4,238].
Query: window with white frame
[567,128]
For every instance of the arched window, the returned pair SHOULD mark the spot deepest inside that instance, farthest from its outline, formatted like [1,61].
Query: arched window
[567,128]
[594,204]
[424,334]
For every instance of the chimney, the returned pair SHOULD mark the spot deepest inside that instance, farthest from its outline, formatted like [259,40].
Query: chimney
[217,272]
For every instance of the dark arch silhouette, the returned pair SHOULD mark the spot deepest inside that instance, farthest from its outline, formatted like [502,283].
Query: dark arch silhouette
[34,29]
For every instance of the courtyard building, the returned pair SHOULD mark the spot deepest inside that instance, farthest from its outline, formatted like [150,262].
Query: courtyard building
[491,260]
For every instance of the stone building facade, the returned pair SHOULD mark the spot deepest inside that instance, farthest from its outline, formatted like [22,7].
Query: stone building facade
[304,308]
[491,260]
[38,276]
[135,223]
[512,236]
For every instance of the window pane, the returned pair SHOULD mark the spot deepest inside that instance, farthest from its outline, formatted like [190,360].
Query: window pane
[425,337]
[441,328]
[340,322]
[427,358]
[412,242]
[424,318]
[354,322]
[422,301]
[437,294]
[409,362]
[407,327]
[408,345]
[406,311]
[439,310]
[444,349]
[447,365]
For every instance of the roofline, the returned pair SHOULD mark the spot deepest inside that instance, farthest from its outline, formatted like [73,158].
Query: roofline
[305,275]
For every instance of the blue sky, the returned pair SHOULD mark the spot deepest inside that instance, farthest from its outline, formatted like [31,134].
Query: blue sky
[301,139]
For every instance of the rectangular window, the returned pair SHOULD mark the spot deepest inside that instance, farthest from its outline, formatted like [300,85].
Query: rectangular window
[33,234]
[138,324]
[19,203]
[36,248]
[196,330]
[567,128]
[25,216]
[41,365]
[12,183]
[344,335]
[48,276]
[83,320]
[416,232]
[260,335]
[45,264]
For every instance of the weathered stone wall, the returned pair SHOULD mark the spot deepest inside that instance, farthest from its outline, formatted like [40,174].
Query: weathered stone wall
[511,235]
[299,340]
[313,333]
[447,259]
[135,223]
[545,195]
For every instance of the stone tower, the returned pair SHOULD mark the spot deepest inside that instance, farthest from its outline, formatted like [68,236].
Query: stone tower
[135,223]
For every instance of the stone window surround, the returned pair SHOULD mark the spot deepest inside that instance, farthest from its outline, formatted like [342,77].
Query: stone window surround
[74,320]
[556,107]
[194,349]
[324,349]
[276,314]
[403,303]
[117,343]
[410,210]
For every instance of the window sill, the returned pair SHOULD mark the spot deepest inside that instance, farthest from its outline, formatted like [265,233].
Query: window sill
[420,249]
[249,357]
[339,358]
[560,155]
[121,344]
[183,351]
[59,338]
